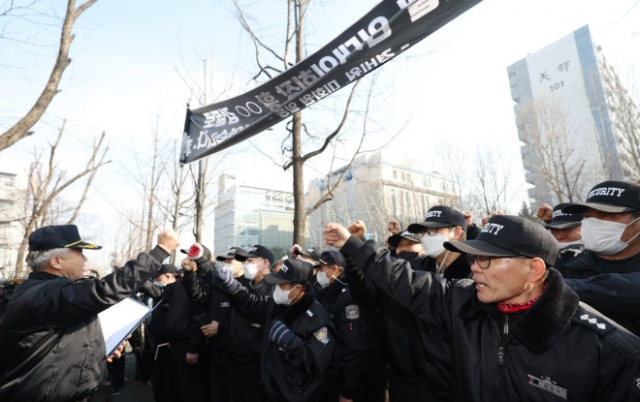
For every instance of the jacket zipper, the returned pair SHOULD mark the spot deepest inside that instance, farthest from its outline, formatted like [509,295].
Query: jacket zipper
[503,340]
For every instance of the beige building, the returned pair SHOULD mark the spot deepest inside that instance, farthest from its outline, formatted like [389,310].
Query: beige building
[375,189]
[14,202]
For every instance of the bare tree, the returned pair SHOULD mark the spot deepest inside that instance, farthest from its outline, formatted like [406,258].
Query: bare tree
[297,130]
[45,185]
[549,134]
[624,114]
[490,183]
[22,128]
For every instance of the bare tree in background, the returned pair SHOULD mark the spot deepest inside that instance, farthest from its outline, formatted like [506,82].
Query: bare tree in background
[148,177]
[549,135]
[45,184]
[624,113]
[293,49]
[490,188]
[22,128]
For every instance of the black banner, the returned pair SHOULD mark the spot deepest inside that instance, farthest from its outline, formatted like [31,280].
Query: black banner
[390,28]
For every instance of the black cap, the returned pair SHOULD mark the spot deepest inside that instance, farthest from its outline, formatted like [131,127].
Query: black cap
[440,216]
[311,252]
[395,239]
[61,236]
[564,220]
[233,252]
[610,196]
[332,257]
[510,236]
[260,251]
[292,271]
[167,269]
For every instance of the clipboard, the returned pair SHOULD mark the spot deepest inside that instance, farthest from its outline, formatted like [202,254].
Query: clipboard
[120,320]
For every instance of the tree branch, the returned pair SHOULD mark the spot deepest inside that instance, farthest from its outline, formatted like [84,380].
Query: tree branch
[331,136]
[22,128]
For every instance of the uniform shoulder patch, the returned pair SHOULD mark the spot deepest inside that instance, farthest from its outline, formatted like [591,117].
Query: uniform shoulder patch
[352,312]
[576,250]
[636,385]
[322,335]
[593,321]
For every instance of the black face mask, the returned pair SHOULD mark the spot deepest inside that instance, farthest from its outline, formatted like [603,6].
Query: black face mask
[407,255]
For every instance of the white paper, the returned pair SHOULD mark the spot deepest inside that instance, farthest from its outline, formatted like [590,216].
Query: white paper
[119,320]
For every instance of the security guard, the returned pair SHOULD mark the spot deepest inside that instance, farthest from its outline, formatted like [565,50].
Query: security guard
[246,334]
[605,271]
[52,346]
[417,354]
[299,336]
[564,226]
[517,331]
[351,321]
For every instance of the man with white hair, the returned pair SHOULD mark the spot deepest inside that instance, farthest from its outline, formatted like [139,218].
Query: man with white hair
[52,344]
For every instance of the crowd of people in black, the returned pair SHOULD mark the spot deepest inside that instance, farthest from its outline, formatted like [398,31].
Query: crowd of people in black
[445,310]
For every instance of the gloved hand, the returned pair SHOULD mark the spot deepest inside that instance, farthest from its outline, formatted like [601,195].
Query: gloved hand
[224,280]
[280,334]
[196,251]
[295,250]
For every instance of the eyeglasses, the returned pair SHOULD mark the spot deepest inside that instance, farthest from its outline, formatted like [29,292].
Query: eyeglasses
[484,262]
[431,231]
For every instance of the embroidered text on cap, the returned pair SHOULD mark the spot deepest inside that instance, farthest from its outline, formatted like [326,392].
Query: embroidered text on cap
[492,228]
[609,191]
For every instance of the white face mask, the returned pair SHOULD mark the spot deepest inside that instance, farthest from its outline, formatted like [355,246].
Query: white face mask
[250,270]
[323,280]
[282,296]
[603,237]
[433,244]
[158,283]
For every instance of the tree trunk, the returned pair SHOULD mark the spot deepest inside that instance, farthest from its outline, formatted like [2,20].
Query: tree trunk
[200,201]
[299,212]
[22,250]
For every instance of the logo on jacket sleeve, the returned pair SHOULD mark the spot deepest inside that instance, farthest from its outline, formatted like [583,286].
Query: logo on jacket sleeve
[352,312]
[322,335]
[546,384]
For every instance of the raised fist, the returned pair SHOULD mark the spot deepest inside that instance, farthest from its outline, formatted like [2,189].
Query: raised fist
[168,239]
[358,229]
[394,226]
[545,212]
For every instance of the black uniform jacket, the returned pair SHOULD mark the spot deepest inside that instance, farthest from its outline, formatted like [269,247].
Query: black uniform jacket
[51,340]
[614,291]
[297,373]
[209,303]
[351,320]
[245,334]
[174,320]
[559,349]
[415,349]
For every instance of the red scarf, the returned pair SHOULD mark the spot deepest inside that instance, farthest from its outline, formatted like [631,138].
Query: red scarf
[509,308]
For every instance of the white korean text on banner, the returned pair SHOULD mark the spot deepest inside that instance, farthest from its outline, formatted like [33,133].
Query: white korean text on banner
[390,28]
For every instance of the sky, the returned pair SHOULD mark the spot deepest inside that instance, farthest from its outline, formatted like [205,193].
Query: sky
[134,62]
